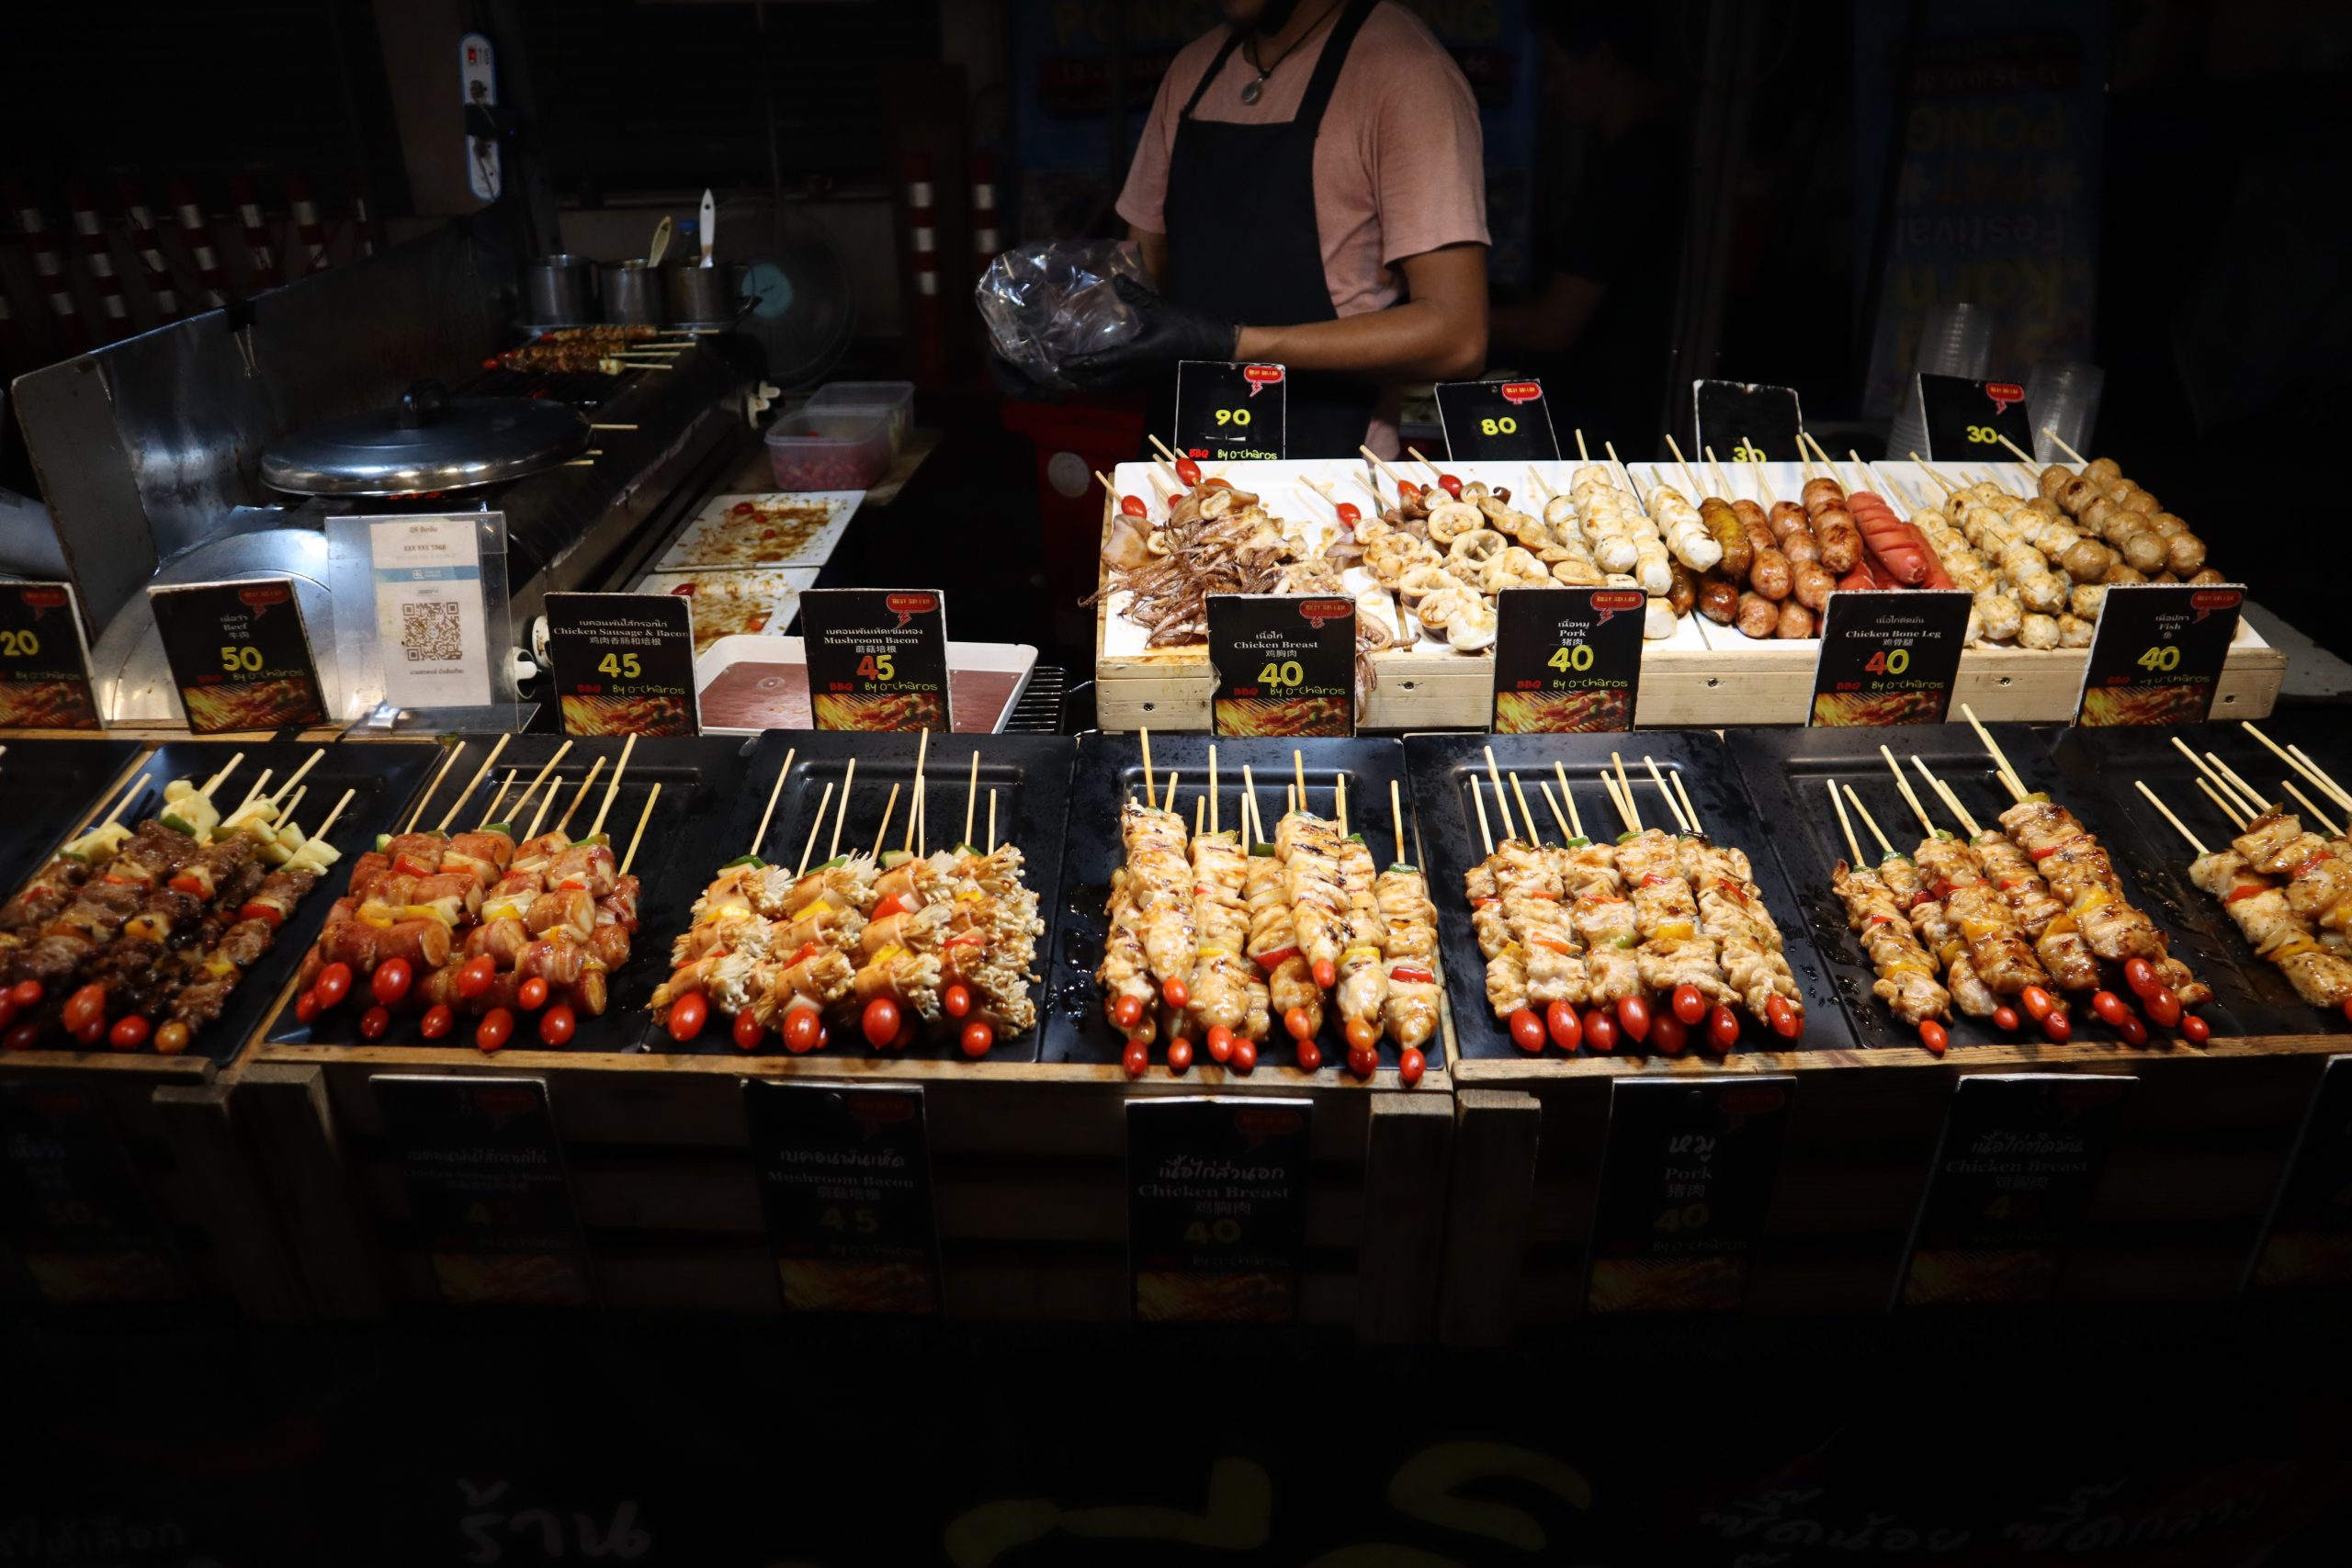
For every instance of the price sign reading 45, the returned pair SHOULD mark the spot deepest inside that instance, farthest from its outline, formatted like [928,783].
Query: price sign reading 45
[1496,422]
[1228,413]
[624,663]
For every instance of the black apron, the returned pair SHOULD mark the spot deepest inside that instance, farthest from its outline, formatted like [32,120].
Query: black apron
[1243,243]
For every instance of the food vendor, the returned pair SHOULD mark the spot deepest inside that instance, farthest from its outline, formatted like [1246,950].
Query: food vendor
[1309,191]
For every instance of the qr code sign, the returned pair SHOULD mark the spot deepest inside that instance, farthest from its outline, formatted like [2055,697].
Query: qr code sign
[429,633]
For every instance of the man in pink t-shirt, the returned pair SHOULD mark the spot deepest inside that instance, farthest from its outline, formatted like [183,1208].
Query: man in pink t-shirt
[1309,191]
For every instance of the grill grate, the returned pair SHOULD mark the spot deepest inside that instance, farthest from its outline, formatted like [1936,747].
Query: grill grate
[1039,711]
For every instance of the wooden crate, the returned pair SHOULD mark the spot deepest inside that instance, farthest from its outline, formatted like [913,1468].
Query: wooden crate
[2197,1155]
[1028,1169]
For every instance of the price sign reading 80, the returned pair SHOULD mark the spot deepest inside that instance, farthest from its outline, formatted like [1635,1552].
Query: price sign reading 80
[1496,422]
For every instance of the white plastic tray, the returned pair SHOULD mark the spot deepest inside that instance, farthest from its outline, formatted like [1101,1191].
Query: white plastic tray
[704,544]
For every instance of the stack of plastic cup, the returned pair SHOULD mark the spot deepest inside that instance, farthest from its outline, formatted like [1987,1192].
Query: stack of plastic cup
[2062,396]
[1954,340]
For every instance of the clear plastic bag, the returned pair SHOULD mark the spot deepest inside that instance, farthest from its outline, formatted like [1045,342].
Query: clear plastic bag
[1048,303]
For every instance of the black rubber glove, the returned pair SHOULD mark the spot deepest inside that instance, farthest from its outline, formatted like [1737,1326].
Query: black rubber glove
[1170,332]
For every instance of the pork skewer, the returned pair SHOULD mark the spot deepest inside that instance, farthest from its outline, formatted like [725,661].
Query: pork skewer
[2258,906]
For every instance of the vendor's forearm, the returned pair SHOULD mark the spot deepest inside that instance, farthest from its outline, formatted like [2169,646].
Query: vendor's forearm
[1412,342]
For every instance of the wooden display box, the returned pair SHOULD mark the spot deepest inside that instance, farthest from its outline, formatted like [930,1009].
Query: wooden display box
[1028,1168]
[2197,1160]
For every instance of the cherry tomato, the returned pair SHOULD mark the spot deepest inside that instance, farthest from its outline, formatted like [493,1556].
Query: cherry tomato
[880,1022]
[2005,1017]
[21,1038]
[1723,1028]
[1300,1023]
[172,1039]
[374,1022]
[83,1005]
[391,980]
[532,993]
[1787,1022]
[558,1024]
[1527,1030]
[1350,514]
[2134,1032]
[1600,1030]
[978,1036]
[1633,1012]
[130,1033]
[2110,1008]
[1934,1036]
[1133,506]
[1410,1064]
[1774,1006]
[333,984]
[475,977]
[687,1015]
[1690,1003]
[1326,974]
[1363,1034]
[27,993]
[1309,1057]
[1407,489]
[1245,1055]
[800,1026]
[1188,471]
[1179,1054]
[437,1022]
[748,1030]
[1175,993]
[909,1029]
[1566,1029]
[2196,1029]
[1363,1063]
[1670,1033]
[2164,1007]
[957,999]
[7,1010]
[2139,975]
[497,1027]
[1214,482]
[1220,1043]
[1136,1058]
[93,1032]
[1128,1012]
[2038,1003]
[306,1006]
[2059,1027]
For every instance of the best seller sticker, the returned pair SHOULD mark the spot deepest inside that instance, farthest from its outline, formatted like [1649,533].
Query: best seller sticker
[1285,664]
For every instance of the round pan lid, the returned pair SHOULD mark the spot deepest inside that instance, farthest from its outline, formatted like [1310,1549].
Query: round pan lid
[429,442]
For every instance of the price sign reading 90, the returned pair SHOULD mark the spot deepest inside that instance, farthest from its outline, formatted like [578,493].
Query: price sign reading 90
[1228,413]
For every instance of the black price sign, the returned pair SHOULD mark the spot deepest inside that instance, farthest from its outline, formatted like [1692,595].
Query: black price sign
[1567,660]
[1228,413]
[1216,1208]
[1496,421]
[1761,423]
[1685,1181]
[624,663]
[44,665]
[2157,655]
[1285,664]
[71,1205]
[1967,419]
[239,654]
[877,657]
[483,1171]
[845,1180]
[2014,1174]
[1889,657]
[2308,1239]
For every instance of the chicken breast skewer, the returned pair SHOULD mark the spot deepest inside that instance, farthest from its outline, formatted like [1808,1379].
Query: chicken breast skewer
[2258,907]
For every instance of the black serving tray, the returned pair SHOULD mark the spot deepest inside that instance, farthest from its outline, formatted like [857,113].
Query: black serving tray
[1110,768]
[1443,768]
[1030,775]
[701,779]
[384,778]
[50,790]
[1787,771]
[2102,764]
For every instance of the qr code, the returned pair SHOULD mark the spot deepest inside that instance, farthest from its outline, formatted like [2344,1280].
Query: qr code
[429,633]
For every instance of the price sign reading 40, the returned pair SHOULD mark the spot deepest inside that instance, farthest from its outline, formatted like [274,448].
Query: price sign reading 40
[1496,422]
[2158,654]
[1567,660]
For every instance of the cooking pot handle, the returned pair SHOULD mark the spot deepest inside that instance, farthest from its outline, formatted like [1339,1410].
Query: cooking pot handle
[424,403]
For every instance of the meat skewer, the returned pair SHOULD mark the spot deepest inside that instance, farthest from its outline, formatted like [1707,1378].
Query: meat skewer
[1415,998]
[1906,971]
[1936,931]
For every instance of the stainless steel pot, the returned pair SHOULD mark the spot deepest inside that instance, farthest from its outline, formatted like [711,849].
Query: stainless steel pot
[559,291]
[633,294]
[706,296]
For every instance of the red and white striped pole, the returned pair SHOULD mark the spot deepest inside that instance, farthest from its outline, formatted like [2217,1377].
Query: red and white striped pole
[97,255]
[199,242]
[48,264]
[985,239]
[361,228]
[312,232]
[151,250]
[930,351]
[257,246]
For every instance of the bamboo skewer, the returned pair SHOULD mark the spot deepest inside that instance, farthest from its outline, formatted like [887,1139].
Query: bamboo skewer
[1249,801]
[815,828]
[1903,787]
[1951,800]
[1486,835]
[2311,811]
[236,757]
[1868,821]
[2294,759]
[1552,801]
[587,784]
[612,787]
[1212,821]
[1394,477]
[138,786]
[2024,457]
[1584,453]
[1397,821]
[971,792]
[2178,826]
[499,799]
[1298,767]
[2063,447]
[638,837]
[1502,804]
[2318,775]
[888,807]
[759,834]
[840,818]
[2008,775]
[2238,783]
[992,848]
[1560,772]
[1688,811]
[1434,475]
[326,827]
[1149,797]
[1672,804]
[299,773]
[915,805]
[446,763]
[259,785]
[1633,811]
[2228,809]
[537,780]
[1340,800]
[1172,777]
[2198,763]
[1526,818]
[474,784]
[1688,477]
[1853,845]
